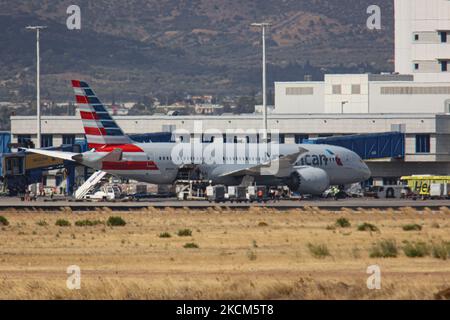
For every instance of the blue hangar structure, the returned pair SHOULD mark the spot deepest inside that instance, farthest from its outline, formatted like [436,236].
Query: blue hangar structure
[21,169]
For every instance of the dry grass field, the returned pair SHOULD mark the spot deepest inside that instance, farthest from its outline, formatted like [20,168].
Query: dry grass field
[231,254]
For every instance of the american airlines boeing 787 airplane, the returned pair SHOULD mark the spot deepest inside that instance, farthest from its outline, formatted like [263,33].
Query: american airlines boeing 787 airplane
[307,169]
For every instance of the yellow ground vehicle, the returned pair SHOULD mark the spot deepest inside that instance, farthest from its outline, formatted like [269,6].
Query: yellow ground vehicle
[420,185]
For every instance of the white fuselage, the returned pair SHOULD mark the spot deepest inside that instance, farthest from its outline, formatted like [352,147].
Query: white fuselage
[159,163]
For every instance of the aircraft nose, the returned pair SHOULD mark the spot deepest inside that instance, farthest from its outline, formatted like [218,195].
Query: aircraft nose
[366,173]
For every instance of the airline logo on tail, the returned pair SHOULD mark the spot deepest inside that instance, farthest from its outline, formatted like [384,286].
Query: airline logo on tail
[100,129]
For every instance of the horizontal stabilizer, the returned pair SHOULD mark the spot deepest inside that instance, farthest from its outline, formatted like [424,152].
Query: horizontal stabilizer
[92,159]
[69,156]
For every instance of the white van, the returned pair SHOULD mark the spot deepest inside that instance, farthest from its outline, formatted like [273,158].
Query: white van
[105,193]
[390,191]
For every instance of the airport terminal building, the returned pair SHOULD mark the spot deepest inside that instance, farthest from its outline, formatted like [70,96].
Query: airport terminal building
[427,136]
[415,101]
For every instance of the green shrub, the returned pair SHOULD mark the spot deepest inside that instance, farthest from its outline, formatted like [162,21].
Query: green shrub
[263,224]
[343,223]
[4,221]
[184,233]
[251,255]
[62,223]
[42,223]
[412,227]
[88,223]
[191,246]
[384,249]
[165,235]
[440,250]
[368,227]
[416,250]
[435,225]
[116,222]
[318,251]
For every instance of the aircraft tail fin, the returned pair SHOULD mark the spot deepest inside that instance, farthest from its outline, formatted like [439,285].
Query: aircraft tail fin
[100,129]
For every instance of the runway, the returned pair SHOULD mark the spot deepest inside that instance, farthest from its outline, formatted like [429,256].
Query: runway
[327,204]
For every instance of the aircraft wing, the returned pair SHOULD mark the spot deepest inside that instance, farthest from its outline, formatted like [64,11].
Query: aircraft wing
[280,164]
[58,154]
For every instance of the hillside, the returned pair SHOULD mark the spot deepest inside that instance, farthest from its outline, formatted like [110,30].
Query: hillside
[133,48]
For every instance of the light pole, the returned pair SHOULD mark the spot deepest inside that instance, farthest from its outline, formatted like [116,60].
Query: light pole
[263,27]
[343,103]
[38,89]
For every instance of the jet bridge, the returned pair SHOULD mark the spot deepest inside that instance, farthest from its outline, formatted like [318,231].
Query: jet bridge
[369,146]
[20,169]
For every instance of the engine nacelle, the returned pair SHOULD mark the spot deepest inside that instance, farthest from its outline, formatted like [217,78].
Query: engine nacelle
[309,180]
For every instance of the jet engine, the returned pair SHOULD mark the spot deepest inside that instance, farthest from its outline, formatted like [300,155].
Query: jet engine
[309,180]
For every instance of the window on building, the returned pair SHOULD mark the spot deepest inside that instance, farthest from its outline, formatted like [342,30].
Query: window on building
[46,140]
[207,138]
[24,140]
[356,89]
[416,66]
[281,138]
[325,135]
[337,89]
[299,91]
[444,66]
[415,90]
[300,138]
[444,36]
[423,143]
[68,139]
[260,137]
[416,37]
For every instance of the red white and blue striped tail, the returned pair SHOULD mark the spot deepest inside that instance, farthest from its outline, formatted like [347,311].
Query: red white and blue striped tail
[101,130]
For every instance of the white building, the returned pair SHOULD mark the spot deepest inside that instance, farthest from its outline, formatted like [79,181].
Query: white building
[422,39]
[207,108]
[427,142]
[422,82]
[363,93]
